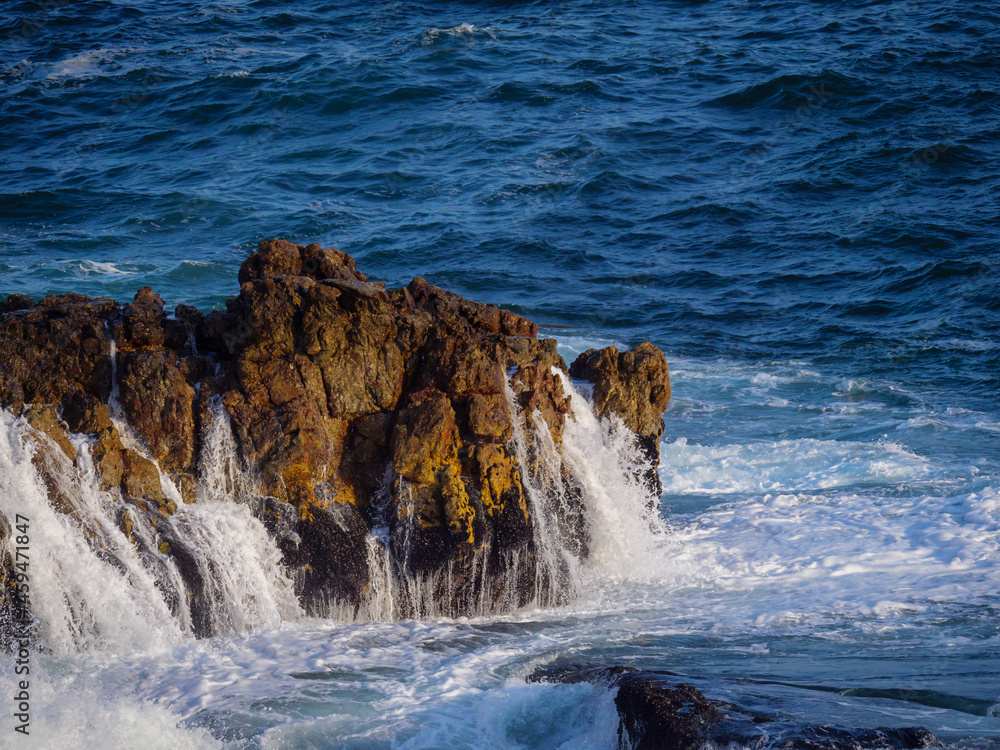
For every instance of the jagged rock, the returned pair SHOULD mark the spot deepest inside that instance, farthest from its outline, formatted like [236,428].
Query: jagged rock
[108,457]
[432,503]
[141,323]
[85,413]
[158,402]
[635,385]
[656,717]
[141,480]
[283,258]
[354,407]
[330,559]
[58,346]
[43,418]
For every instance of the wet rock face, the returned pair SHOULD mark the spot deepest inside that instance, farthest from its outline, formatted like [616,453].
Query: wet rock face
[656,712]
[654,717]
[356,407]
[635,385]
[58,346]
[659,716]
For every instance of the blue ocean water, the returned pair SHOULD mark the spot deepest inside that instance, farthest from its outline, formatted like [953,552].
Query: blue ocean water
[797,201]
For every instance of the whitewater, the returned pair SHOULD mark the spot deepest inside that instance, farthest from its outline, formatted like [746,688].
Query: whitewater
[838,581]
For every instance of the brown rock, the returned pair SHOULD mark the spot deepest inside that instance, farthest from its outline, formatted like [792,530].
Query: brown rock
[142,322]
[489,417]
[433,509]
[44,419]
[635,385]
[158,402]
[83,412]
[107,452]
[536,387]
[140,479]
[283,258]
[58,346]
[354,406]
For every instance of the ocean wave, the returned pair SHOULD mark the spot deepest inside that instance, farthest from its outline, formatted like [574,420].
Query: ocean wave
[97,63]
[786,466]
[84,65]
[466,30]
[789,91]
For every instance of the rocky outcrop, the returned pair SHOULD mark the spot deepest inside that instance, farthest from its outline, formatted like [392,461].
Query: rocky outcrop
[657,712]
[635,386]
[410,410]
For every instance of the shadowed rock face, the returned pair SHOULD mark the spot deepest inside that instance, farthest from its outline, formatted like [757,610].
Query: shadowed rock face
[355,405]
[658,716]
[656,712]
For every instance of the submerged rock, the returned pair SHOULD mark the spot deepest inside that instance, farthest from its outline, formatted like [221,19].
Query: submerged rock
[657,712]
[413,412]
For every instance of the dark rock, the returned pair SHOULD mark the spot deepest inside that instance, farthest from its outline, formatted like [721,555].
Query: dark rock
[280,519]
[655,717]
[657,712]
[85,413]
[15,302]
[882,738]
[330,562]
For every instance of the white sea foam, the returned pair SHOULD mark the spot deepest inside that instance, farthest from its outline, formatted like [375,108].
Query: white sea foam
[624,527]
[797,559]
[84,65]
[78,712]
[785,547]
[82,600]
[461,30]
[90,268]
[785,466]
[99,583]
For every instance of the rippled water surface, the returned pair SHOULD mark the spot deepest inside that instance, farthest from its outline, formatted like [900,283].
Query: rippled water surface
[797,201]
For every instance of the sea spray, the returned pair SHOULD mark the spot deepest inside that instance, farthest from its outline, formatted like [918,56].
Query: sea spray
[623,519]
[90,590]
[594,481]
[234,564]
[222,476]
[109,575]
[102,576]
[556,565]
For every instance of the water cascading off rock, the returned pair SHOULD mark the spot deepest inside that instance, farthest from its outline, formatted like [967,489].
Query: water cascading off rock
[402,448]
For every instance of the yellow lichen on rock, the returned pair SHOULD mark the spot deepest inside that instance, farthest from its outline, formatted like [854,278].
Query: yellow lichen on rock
[499,478]
[425,447]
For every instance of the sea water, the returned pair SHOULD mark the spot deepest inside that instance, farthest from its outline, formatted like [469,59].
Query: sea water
[796,202]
